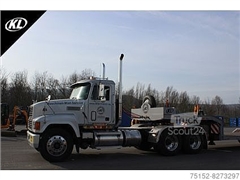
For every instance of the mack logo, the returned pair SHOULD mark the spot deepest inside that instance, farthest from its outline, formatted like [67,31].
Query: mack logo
[100,110]
[16,24]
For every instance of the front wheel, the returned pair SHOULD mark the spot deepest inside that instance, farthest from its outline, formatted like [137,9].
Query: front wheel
[56,145]
[168,144]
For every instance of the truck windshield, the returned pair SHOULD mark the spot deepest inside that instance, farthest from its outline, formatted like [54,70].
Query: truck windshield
[81,91]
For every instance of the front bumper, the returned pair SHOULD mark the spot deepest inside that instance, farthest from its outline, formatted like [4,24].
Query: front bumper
[33,139]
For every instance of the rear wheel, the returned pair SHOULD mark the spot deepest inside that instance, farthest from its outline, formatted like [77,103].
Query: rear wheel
[168,144]
[56,145]
[193,144]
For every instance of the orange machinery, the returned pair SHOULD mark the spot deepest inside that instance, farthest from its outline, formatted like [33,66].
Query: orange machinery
[10,120]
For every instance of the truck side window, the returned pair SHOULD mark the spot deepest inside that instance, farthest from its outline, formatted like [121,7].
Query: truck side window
[95,93]
[107,92]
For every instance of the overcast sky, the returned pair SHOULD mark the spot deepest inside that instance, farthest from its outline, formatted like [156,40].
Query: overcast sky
[193,51]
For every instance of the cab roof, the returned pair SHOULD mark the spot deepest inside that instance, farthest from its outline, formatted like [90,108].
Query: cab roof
[92,81]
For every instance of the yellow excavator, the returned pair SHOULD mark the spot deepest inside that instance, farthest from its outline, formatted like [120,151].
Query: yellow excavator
[18,116]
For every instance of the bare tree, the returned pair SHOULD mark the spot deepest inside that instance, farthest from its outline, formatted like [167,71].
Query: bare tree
[52,85]
[128,99]
[40,83]
[4,86]
[184,102]
[139,91]
[64,88]
[238,108]
[217,103]
[171,95]
[85,74]
[20,90]
[168,93]
[174,98]
[195,100]
[207,107]
[73,78]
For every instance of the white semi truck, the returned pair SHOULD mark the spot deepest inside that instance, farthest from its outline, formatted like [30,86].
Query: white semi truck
[90,118]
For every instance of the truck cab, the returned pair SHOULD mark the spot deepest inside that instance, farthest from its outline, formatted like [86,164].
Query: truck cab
[92,104]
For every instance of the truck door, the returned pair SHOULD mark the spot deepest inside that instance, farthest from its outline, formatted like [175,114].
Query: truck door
[100,110]
[79,102]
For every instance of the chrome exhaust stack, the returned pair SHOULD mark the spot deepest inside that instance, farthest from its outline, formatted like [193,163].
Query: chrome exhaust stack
[120,91]
[103,76]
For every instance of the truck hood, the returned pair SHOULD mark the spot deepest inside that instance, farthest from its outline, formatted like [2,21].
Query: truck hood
[61,106]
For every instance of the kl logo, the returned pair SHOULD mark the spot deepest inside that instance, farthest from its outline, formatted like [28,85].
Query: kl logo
[16,24]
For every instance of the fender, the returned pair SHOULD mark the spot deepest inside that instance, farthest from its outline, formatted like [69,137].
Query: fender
[155,133]
[57,119]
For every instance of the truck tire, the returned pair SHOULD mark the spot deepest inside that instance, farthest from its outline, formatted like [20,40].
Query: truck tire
[193,144]
[168,144]
[151,100]
[56,145]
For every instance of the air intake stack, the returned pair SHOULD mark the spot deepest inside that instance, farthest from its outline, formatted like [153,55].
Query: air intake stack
[120,90]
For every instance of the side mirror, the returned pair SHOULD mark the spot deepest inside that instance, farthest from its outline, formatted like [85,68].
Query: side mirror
[101,93]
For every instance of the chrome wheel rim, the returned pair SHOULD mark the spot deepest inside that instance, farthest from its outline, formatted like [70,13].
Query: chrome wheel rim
[195,142]
[56,146]
[171,143]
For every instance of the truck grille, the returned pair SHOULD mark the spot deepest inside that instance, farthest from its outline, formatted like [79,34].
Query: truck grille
[30,111]
[30,117]
[30,123]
